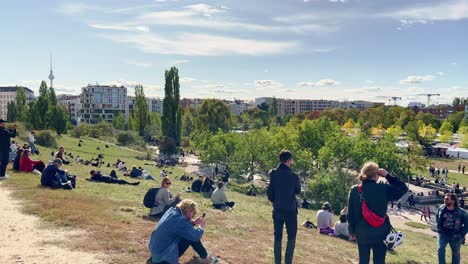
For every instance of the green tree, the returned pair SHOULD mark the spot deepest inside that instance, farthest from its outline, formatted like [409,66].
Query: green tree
[119,121]
[153,130]
[312,135]
[214,115]
[42,107]
[172,116]
[455,120]
[58,118]
[188,122]
[141,110]
[456,101]
[52,97]
[446,131]
[461,126]
[273,110]
[11,111]
[21,105]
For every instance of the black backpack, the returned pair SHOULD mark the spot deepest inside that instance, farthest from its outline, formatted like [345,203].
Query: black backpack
[149,201]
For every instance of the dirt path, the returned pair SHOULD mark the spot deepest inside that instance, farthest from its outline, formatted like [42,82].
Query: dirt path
[23,241]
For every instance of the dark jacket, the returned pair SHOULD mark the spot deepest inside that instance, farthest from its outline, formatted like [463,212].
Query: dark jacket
[461,222]
[282,190]
[49,176]
[135,173]
[197,186]
[377,197]
[5,136]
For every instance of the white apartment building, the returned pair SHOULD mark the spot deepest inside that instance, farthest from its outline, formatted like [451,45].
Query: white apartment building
[72,104]
[154,104]
[102,102]
[361,105]
[8,94]
[239,106]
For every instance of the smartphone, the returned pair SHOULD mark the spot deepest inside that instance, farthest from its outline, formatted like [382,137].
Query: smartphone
[203,216]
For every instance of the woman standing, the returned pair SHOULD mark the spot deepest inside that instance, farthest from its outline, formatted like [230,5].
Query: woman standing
[164,199]
[367,211]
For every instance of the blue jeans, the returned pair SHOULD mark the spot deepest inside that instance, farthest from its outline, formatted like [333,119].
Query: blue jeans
[455,245]
[279,220]
[33,147]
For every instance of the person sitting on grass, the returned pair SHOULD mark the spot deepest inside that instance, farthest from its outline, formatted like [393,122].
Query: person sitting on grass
[13,150]
[252,191]
[54,177]
[197,184]
[59,155]
[16,161]
[97,176]
[135,172]
[305,204]
[207,186]
[341,227]
[176,232]
[219,199]
[325,216]
[164,199]
[29,165]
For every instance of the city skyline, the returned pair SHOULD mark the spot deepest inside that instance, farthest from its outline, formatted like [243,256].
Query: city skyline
[312,49]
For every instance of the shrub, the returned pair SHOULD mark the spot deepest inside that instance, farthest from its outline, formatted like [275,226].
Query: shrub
[80,130]
[46,139]
[127,138]
[168,146]
[102,129]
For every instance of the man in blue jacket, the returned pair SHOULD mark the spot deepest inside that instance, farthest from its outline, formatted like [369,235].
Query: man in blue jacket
[282,190]
[452,226]
[175,232]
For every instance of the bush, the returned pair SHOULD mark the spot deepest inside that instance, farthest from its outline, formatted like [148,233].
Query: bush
[127,138]
[168,146]
[80,130]
[46,139]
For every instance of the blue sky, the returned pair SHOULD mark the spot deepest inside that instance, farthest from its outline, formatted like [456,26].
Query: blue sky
[331,49]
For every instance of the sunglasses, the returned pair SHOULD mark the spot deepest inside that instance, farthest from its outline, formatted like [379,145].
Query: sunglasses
[168,183]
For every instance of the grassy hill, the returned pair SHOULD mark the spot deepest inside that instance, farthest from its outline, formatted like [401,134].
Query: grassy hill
[116,222]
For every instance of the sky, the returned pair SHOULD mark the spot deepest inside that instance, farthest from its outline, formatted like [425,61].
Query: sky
[314,49]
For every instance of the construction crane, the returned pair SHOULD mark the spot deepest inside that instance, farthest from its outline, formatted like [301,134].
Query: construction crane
[390,98]
[429,98]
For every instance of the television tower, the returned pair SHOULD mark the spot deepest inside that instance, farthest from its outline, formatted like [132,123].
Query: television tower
[51,75]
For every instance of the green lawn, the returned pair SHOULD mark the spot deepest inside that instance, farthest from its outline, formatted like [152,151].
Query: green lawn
[115,218]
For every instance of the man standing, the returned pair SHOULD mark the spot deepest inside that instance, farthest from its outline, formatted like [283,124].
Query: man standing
[31,140]
[282,190]
[5,136]
[463,169]
[459,168]
[225,178]
[452,226]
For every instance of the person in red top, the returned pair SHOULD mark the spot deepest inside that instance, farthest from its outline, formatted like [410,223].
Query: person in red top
[29,165]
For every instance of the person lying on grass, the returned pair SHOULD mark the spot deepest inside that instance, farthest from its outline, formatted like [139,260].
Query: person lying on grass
[29,165]
[54,177]
[98,177]
[164,199]
[219,199]
[176,232]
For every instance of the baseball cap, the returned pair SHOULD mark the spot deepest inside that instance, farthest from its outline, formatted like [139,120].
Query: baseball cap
[2,121]
[59,161]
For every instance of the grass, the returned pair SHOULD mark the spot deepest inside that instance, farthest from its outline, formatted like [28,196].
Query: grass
[115,221]
[417,225]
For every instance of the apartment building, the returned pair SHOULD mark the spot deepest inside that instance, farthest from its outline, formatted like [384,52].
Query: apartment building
[73,105]
[8,94]
[361,105]
[154,104]
[102,102]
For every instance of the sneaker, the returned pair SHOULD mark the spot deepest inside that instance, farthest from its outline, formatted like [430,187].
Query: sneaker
[209,260]
[4,178]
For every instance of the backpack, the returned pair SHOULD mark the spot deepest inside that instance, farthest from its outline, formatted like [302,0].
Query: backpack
[149,201]
[370,217]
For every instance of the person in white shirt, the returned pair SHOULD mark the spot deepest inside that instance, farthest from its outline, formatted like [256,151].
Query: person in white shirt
[13,149]
[325,217]
[162,174]
[219,199]
[31,140]
[341,227]
[164,199]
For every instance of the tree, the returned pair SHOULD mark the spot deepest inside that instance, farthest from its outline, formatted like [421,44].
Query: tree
[312,135]
[172,116]
[153,131]
[188,122]
[11,111]
[141,110]
[273,111]
[455,120]
[42,107]
[58,118]
[395,131]
[21,106]
[426,132]
[119,121]
[461,126]
[456,101]
[214,115]
[446,131]
[52,97]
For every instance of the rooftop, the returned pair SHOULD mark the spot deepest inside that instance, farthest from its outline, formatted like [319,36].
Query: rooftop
[14,89]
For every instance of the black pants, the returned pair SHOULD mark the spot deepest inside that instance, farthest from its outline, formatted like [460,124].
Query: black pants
[184,245]
[221,206]
[3,165]
[379,251]
[290,220]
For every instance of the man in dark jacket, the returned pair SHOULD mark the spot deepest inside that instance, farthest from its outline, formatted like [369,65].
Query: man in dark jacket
[53,176]
[197,184]
[5,136]
[376,197]
[282,190]
[452,226]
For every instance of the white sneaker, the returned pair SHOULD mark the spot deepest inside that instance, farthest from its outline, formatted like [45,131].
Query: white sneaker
[37,172]
[209,260]
[4,178]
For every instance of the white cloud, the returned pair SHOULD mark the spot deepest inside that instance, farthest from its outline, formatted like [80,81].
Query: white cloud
[440,73]
[186,80]
[412,79]
[412,22]
[266,84]
[75,8]
[205,9]
[337,1]
[444,11]
[289,90]
[139,28]
[324,82]
[178,62]
[369,81]
[189,44]
[148,88]
[139,63]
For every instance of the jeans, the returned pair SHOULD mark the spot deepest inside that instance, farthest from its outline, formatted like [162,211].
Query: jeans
[455,244]
[3,165]
[379,251]
[221,206]
[290,219]
[185,244]
[33,147]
